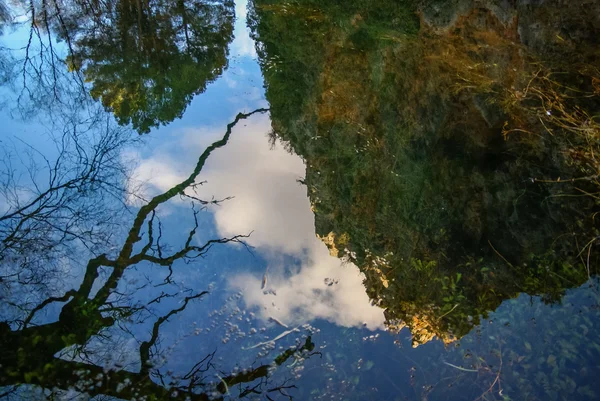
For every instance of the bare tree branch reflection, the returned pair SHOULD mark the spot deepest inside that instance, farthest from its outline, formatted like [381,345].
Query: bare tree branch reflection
[60,355]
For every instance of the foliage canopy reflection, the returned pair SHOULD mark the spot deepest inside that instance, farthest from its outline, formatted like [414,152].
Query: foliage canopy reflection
[451,153]
[144,60]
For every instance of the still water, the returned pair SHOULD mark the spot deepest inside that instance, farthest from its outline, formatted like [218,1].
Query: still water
[299,200]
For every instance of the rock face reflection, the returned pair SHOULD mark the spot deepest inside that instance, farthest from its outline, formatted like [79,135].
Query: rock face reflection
[449,151]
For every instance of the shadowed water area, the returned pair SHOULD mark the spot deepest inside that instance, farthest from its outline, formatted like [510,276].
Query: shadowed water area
[299,200]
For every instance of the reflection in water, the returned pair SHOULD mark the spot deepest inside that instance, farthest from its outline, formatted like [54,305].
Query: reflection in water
[144,60]
[270,203]
[448,152]
[434,149]
[153,57]
[54,354]
[67,354]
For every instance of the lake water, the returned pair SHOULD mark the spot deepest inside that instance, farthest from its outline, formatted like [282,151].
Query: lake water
[274,200]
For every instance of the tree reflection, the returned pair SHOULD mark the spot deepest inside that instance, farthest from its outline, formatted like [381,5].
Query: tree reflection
[151,58]
[413,171]
[144,60]
[73,352]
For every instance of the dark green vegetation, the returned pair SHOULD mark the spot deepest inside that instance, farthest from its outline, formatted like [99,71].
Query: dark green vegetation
[153,57]
[451,154]
[450,149]
[144,60]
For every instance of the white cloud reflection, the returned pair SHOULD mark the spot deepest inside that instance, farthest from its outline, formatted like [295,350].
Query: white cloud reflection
[271,203]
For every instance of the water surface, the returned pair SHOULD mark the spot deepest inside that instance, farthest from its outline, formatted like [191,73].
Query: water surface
[299,200]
